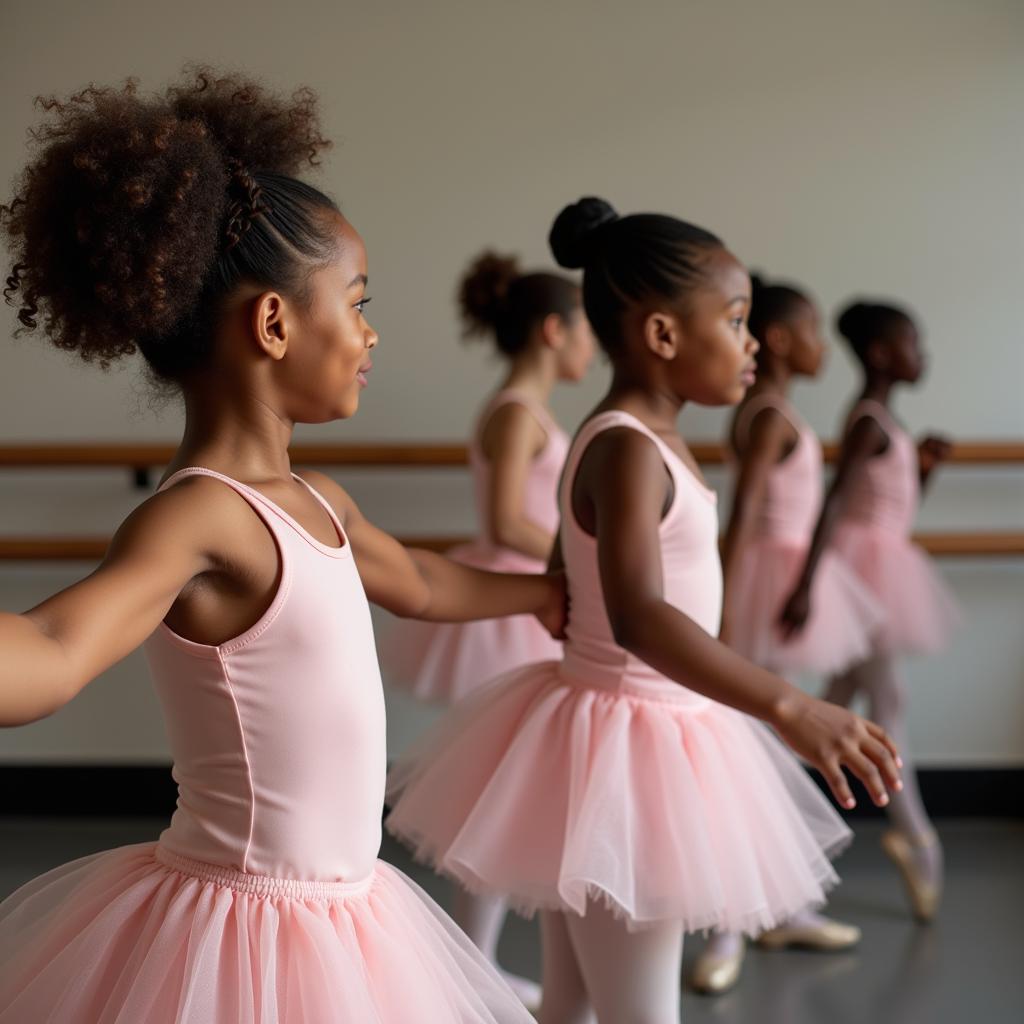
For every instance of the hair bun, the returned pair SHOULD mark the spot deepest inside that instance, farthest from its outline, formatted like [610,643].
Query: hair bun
[757,282]
[575,228]
[853,320]
[484,290]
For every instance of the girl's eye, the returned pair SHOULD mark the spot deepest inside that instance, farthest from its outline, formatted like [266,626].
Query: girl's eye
[737,323]
[363,303]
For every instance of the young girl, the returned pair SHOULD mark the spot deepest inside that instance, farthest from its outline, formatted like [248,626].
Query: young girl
[867,517]
[173,225]
[615,790]
[776,502]
[516,455]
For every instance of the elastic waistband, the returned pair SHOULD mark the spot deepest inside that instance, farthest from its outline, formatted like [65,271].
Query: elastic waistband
[617,684]
[263,885]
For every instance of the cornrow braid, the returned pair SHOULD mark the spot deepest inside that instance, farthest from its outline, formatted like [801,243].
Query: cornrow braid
[245,203]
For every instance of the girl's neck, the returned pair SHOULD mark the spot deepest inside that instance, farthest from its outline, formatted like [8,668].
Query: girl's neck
[237,434]
[878,389]
[533,371]
[655,406]
[774,378]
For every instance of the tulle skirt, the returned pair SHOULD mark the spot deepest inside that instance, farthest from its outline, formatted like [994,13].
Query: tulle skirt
[657,802]
[443,662]
[919,610]
[138,936]
[844,613]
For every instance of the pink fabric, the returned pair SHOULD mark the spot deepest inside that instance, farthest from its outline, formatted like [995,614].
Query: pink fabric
[445,661]
[264,900]
[598,778]
[844,614]
[873,538]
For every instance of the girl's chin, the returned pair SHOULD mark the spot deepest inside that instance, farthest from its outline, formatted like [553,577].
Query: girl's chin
[346,409]
[733,397]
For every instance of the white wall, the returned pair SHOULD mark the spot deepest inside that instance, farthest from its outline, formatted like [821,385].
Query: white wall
[868,147]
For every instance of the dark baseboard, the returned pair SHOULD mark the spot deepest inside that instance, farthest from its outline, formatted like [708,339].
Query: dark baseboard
[87,791]
[954,793]
[136,791]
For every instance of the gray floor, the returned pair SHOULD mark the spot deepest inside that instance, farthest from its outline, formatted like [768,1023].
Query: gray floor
[969,967]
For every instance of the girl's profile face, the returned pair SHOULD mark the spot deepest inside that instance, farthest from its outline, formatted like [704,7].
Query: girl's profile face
[714,364]
[329,359]
[578,347]
[807,347]
[907,361]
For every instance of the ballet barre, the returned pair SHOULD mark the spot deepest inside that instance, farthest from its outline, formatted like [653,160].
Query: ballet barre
[141,458]
[380,455]
[90,549]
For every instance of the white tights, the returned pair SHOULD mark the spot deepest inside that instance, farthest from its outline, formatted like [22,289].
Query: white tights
[596,971]
[482,918]
[879,681]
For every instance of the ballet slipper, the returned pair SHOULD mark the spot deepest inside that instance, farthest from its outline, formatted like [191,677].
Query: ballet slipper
[825,935]
[924,894]
[715,973]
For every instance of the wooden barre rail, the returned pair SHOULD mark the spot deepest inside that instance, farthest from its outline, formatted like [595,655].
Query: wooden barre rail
[144,456]
[89,549]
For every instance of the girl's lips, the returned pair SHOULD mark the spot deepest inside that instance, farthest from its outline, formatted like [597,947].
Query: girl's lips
[748,376]
[361,376]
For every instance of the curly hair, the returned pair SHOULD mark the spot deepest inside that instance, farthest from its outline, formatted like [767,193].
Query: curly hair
[496,298]
[140,214]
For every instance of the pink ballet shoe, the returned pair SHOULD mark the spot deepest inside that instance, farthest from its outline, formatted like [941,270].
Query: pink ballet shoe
[924,894]
[715,973]
[825,935]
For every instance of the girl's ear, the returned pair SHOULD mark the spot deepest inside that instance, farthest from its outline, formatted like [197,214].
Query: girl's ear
[553,332]
[270,324]
[777,339]
[662,335]
[878,355]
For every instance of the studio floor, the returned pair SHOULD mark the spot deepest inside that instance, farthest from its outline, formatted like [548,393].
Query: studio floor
[965,968]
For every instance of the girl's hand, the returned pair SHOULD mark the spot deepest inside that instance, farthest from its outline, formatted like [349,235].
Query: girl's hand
[932,450]
[554,614]
[832,738]
[796,612]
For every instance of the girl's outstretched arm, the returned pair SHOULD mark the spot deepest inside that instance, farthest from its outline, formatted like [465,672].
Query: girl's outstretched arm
[767,439]
[865,440]
[627,486]
[423,585]
[52,651]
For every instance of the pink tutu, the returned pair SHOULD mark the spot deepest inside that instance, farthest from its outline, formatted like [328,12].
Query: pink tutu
[137,936]
[443,662]
[657,801]
[919,609]
[844,614]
